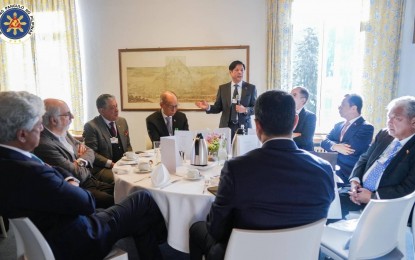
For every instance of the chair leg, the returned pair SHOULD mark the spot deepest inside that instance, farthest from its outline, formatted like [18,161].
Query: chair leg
[3,229]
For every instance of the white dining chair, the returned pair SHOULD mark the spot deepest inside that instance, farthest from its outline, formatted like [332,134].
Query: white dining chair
[376,233]
[291,243]
[2,228]
[31,244]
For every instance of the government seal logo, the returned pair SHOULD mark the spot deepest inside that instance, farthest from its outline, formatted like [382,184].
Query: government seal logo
[16,23]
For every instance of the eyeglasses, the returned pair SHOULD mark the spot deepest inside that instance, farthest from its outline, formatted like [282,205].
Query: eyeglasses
[69,114]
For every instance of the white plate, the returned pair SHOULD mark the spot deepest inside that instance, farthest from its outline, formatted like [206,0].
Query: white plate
[145,155]
[202,168]
[128,159]
[196,178]
[141,171]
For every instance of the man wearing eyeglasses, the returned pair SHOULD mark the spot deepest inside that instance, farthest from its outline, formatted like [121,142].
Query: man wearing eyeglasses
[57,147]
[167,119]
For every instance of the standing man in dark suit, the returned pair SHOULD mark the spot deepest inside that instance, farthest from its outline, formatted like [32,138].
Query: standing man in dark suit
[63,212]
[304,131]
[387,169]
[107,134]
[350,138]
[272,187]
[165,121]
[58,148]
[235,100]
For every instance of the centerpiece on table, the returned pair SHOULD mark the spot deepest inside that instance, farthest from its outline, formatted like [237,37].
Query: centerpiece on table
[213,142]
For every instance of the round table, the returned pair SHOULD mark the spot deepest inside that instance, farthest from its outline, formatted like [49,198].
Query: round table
[182,202]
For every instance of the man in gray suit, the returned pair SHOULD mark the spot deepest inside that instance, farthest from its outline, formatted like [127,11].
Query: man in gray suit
[235,99]
[58,148]
[107,134]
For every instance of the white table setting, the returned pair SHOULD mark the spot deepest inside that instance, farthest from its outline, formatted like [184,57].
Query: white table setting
[180,192]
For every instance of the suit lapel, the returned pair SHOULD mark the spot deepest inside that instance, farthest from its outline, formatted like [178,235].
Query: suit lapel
[162,124]
[102,126]
[352,128]
[407,149]
[58,143]
[227,94]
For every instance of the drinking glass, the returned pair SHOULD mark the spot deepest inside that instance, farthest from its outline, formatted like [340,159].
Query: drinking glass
[157,154]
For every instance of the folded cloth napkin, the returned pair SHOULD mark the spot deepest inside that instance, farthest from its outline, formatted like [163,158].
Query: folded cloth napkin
[160,176]
[121,169]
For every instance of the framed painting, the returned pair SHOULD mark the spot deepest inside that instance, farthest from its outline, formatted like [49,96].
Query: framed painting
[193,73]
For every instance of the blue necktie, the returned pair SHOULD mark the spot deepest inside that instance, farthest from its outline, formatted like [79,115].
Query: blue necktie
[374,175]
[234,114]
[37,159]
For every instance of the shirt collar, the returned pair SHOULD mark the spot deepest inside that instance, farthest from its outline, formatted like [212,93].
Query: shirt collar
[26,153]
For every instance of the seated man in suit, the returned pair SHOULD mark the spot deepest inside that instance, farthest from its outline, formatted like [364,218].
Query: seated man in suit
[63,212]
[58,148]
[167,120]
[107,134]
[258,191]
[235,99]
[387,169]
[349,138]
[304,131]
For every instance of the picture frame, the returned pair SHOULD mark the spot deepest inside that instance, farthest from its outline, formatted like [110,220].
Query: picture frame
[192,73]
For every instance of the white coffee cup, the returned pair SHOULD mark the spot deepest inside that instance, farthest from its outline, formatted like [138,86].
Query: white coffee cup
[130,155]
[193,174]
[144,166]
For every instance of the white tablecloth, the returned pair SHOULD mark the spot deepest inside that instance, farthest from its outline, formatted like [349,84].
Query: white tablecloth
[182,203]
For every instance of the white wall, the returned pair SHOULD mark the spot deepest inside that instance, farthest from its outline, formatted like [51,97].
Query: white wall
[110,25]
[407,73]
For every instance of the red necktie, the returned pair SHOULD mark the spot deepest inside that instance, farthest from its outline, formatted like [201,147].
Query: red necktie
[112,129]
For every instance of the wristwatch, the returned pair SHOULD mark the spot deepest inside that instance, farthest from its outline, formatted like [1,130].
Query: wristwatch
[81,162]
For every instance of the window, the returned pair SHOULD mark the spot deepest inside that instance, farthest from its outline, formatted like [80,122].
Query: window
[325,54]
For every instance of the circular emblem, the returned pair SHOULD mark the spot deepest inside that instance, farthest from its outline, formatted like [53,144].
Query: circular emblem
[16,23]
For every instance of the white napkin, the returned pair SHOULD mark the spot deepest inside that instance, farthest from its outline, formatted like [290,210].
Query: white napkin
[121,169]
[160,176]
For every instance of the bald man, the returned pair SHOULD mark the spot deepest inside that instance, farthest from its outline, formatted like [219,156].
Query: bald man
[58,148]
[165,121]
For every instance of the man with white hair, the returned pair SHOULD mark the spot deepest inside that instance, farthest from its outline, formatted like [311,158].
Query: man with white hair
[63,212]
[57,147]
[387,169]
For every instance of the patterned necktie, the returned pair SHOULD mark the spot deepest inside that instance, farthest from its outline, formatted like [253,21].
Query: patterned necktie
[112,129]
[234,114]
[168,124]
[375,173]
[344,129]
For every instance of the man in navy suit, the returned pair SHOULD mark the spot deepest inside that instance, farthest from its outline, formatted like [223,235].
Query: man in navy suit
[392,156]
[304,131]
[272,187]
[165,121]
[62,211]
[350,138]
[230,102]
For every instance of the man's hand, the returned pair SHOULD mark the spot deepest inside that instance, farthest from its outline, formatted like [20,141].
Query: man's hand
[202,104]
[345,149]
[359,195]
[73,182]
[241,109]
[81,149]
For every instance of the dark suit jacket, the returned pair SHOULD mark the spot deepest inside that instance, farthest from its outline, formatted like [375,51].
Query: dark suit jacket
[156,126]
[306,126]
[97,137]
[53,152]
[358,136]
[58,209]
[398,179]
[276,186]
[224,100]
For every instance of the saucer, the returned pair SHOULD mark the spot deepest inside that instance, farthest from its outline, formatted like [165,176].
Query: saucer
[202,168]
[128,159]
[141,171]
[195,178]
[145,155]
